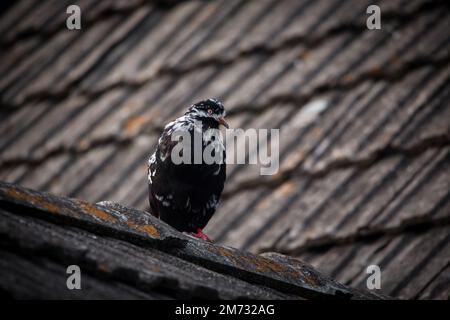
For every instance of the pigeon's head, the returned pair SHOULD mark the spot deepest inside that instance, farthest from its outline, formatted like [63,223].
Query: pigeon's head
[210,110]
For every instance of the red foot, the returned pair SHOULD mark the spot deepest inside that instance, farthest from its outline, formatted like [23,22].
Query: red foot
[200,235]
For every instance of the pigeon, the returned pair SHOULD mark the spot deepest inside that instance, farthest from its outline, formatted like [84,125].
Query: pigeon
[186,195]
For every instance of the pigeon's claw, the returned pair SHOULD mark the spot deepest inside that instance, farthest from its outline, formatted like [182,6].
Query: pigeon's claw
[201,235]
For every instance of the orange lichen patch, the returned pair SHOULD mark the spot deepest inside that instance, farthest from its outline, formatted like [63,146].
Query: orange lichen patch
[17,194]
[308,275]
[221,250]
[265,265]
[38,201]
[94,211]
[260,264]
[134,124]
[149,229]
[146,228]
[48,206]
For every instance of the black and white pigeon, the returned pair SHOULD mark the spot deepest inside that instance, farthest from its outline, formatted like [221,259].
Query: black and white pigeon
[186,195]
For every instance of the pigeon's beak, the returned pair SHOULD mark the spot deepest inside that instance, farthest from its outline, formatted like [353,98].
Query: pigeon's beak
[223,122]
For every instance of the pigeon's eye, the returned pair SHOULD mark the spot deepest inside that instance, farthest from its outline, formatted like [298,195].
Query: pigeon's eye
[210,111]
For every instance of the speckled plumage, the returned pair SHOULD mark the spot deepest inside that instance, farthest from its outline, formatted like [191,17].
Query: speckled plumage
[186,195]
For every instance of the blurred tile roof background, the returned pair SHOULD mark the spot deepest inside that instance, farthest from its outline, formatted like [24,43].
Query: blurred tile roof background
[364,117]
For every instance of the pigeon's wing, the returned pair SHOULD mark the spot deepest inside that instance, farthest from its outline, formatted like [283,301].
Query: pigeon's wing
[163,175]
